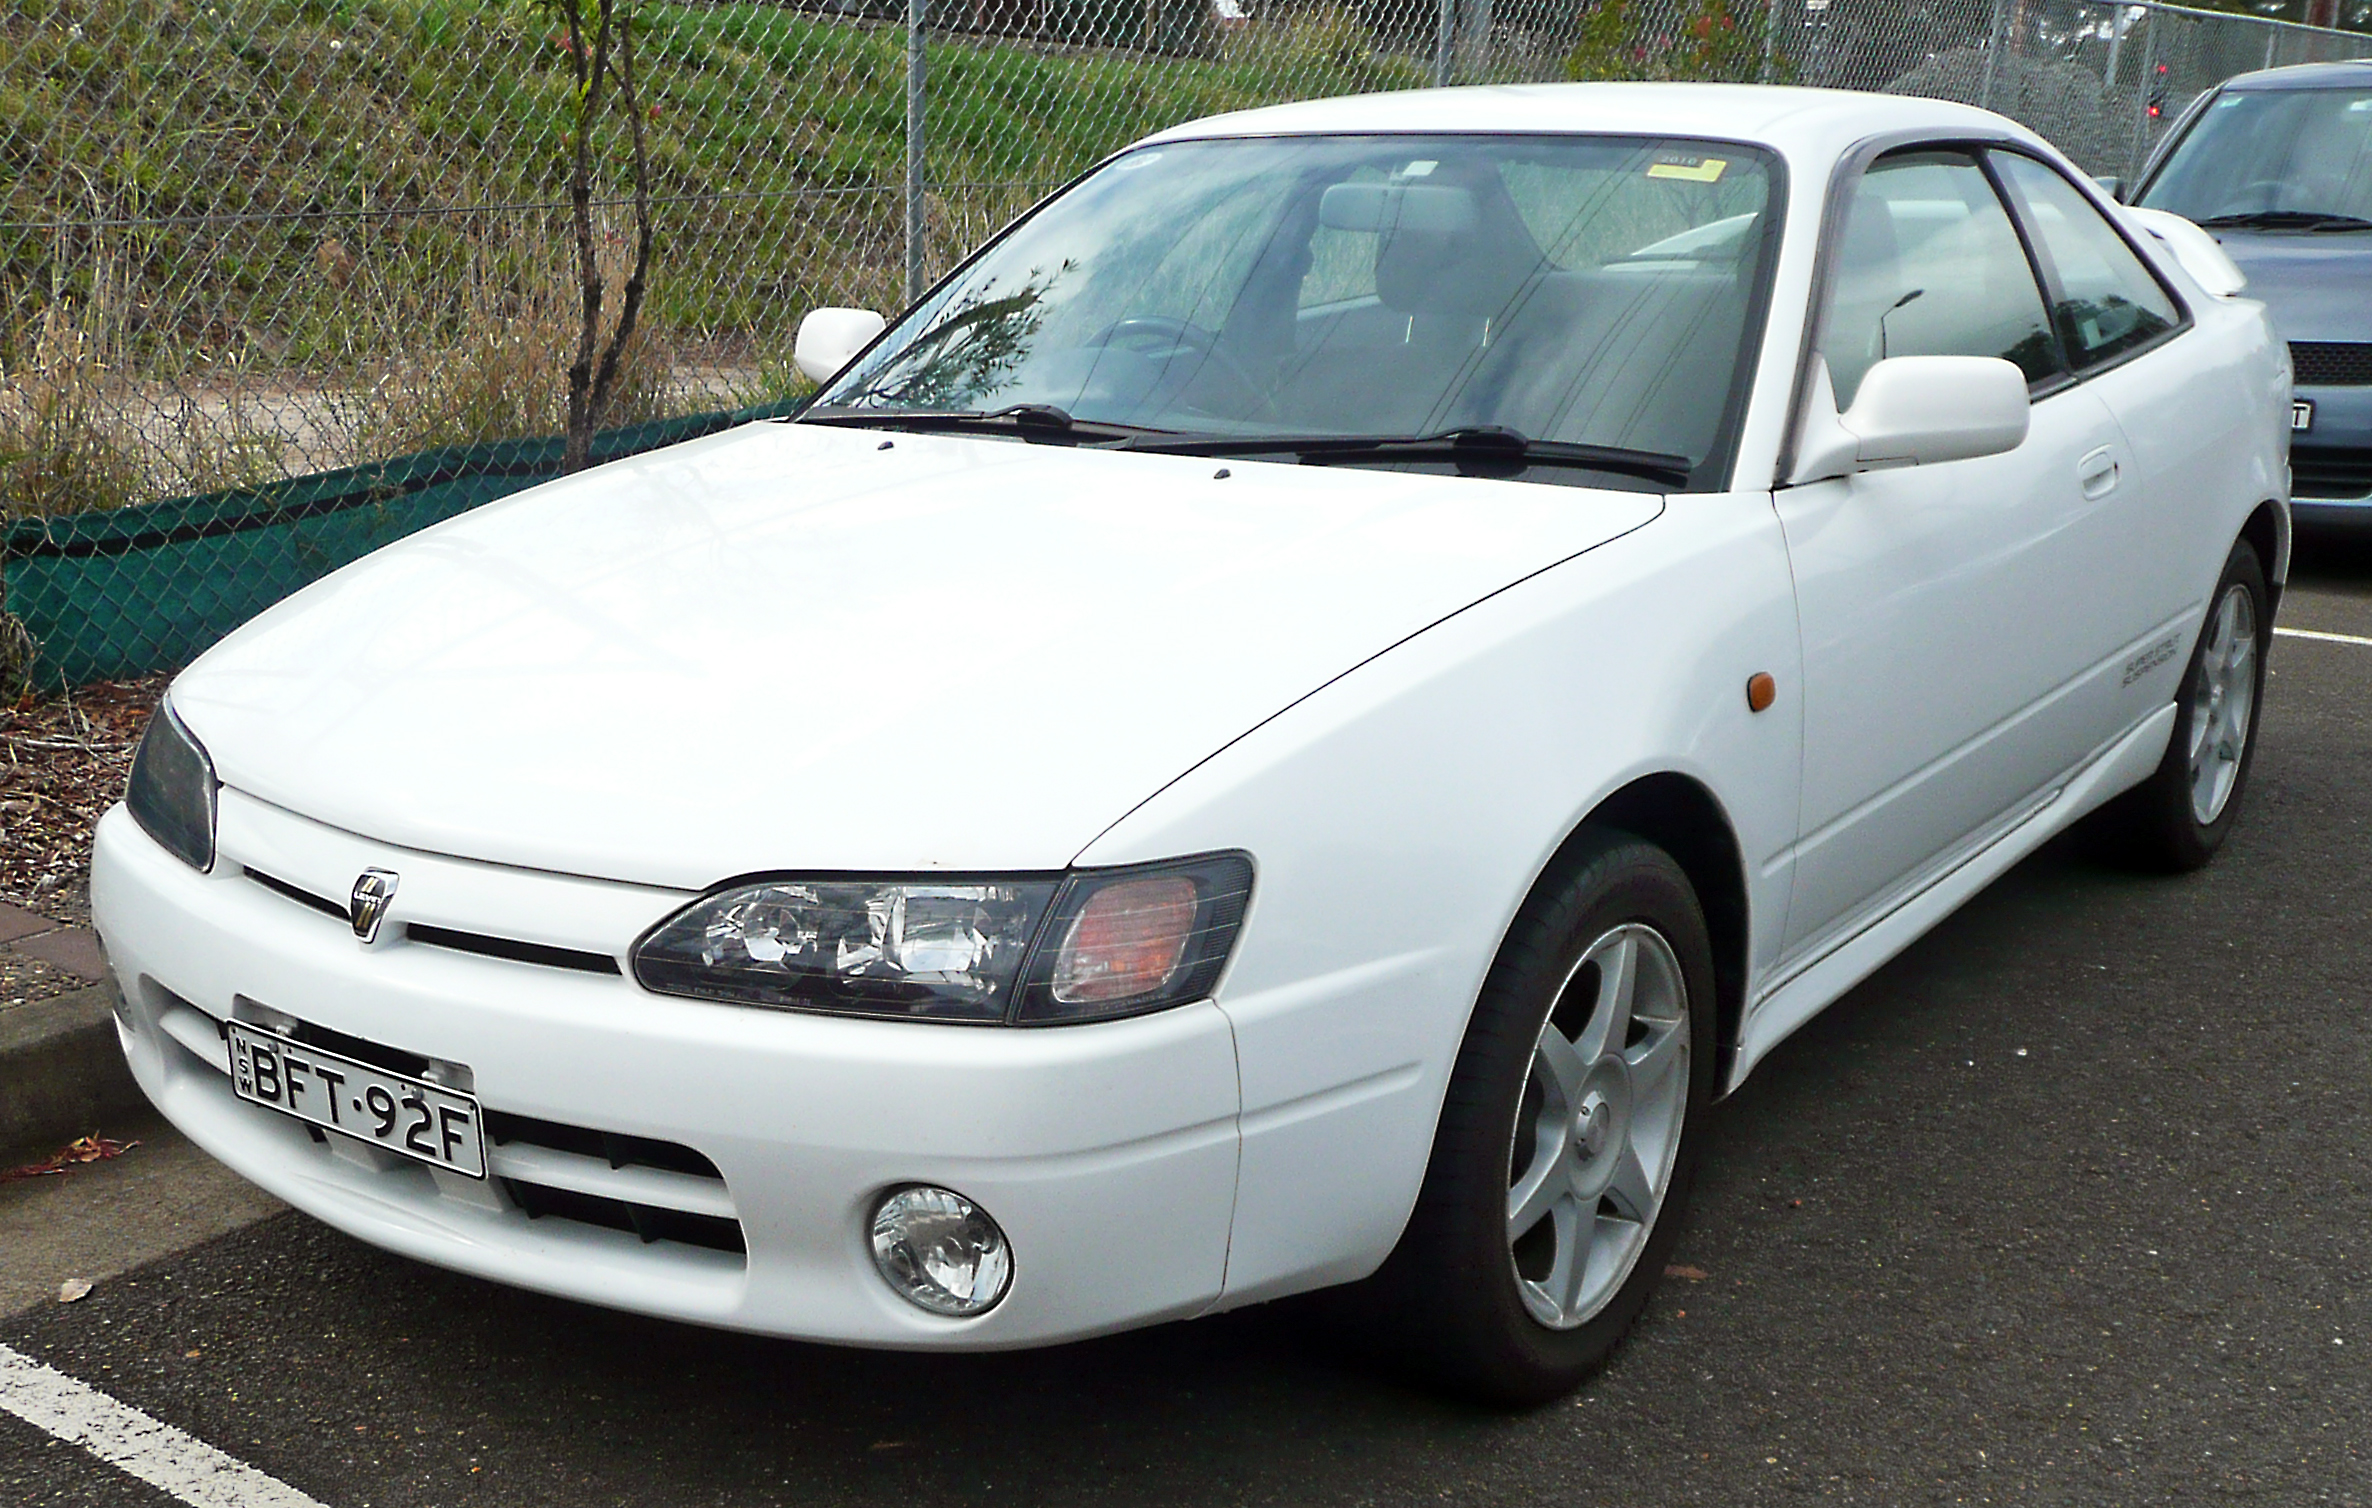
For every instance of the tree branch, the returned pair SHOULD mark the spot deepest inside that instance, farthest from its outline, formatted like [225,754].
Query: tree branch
[630,304]
[592,73]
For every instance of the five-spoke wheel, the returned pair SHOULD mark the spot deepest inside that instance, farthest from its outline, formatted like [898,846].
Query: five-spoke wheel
[1598,1126]
[1561,1164]
[2223,702]
[2176,819]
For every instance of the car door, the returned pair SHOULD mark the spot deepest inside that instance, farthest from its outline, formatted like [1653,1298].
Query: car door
[1949,612]
[2122,328]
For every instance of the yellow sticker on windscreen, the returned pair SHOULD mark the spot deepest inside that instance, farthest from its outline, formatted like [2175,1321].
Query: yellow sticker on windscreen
[1689,169]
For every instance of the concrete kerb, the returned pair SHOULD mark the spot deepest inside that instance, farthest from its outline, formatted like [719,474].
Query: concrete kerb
[62,1069]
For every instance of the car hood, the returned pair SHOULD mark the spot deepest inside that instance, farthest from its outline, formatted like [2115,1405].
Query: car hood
[2316,285]
[796,647]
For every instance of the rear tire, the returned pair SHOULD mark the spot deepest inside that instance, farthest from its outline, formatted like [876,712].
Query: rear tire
[1568,1137]
[2175,821]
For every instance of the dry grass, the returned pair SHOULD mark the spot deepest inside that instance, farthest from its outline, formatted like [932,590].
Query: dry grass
[501,372]
[62,445]
[78,435]
[488,360]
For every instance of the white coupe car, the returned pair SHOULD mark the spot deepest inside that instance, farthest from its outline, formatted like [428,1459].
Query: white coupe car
[1297,721]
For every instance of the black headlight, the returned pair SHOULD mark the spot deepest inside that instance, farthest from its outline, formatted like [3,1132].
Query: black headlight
[1022,949]
[173,791]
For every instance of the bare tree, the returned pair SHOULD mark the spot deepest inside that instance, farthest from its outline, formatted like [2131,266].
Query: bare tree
[600,42]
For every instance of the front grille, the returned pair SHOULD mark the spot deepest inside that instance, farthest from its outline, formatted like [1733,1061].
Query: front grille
[485,946]
[618,1151]
[512,949]
[577,1186]
[648,1221]
[2331,363]
[2340,475]
[302,897]
[651,1189]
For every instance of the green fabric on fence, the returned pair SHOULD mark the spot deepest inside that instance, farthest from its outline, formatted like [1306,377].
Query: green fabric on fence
[133,590]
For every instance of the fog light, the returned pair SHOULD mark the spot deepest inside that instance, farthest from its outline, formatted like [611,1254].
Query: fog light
[941,1251]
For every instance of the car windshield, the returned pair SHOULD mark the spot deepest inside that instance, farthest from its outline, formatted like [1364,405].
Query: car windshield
[1582,292]
[2290,157]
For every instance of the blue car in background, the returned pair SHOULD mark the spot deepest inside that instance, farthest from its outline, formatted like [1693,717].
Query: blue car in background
[2278,167]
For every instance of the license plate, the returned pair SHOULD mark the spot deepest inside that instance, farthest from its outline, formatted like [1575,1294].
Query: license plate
[2301,413]
[417,1120]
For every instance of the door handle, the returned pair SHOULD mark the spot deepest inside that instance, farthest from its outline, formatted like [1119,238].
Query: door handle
[2097,472]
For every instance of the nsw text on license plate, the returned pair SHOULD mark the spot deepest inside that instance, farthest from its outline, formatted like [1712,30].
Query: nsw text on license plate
[436,1126]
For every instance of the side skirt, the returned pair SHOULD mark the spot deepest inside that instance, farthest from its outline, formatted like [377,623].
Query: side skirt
[1787,1005]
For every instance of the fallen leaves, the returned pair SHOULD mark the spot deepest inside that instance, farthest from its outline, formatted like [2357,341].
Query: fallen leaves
[63,761]
[1687,1274]
[73,1290]
[81,1150]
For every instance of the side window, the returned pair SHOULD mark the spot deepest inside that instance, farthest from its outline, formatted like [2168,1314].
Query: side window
[1929,265]
[2108,303]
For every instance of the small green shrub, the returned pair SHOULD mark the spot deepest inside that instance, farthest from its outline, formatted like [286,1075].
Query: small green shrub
[1720,41]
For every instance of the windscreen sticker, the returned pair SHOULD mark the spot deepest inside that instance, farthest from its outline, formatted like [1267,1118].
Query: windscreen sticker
[1688,169]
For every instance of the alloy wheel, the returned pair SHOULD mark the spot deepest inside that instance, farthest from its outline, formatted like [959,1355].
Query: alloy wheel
[1599,1125]
[2222,703]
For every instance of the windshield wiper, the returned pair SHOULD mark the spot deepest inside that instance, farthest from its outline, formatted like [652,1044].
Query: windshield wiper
[1480,442]
[1026,419]
[2286,219]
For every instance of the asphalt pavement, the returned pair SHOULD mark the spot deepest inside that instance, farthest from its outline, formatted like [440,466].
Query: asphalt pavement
[2070,1204]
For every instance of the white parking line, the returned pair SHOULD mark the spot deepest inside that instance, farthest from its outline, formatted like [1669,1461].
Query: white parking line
[2308,633]
[121,1435]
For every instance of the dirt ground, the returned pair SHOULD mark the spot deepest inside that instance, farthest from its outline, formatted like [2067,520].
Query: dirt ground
[63,761]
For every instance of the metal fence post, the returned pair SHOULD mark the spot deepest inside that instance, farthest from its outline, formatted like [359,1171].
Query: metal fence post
[915,229]
[1992,55]
[2116,45]
[1444,36]
[2141,99]
[1770,38]
[1477,65]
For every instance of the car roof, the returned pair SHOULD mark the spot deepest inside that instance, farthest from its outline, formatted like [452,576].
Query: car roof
[1805,125]
[2351,73]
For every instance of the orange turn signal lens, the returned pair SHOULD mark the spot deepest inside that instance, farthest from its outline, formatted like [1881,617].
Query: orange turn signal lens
[1126,941]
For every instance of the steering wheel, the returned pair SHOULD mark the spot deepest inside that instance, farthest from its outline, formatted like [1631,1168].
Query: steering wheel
[1151,334]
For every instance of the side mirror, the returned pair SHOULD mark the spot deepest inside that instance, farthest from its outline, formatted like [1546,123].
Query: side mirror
[1912,411]
[2111,185]
[828,338]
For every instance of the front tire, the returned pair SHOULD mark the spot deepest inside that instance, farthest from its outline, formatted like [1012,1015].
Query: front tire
[1568,1136]
[2175,821]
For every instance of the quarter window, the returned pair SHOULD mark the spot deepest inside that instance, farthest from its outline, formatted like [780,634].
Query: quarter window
[2108,303]
[1930,265]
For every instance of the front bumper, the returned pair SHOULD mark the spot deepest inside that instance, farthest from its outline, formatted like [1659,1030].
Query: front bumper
[1107,1152]
[2332,513]
[2331,462]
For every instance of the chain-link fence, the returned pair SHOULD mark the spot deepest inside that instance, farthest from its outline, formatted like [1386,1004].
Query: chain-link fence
[245,241]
